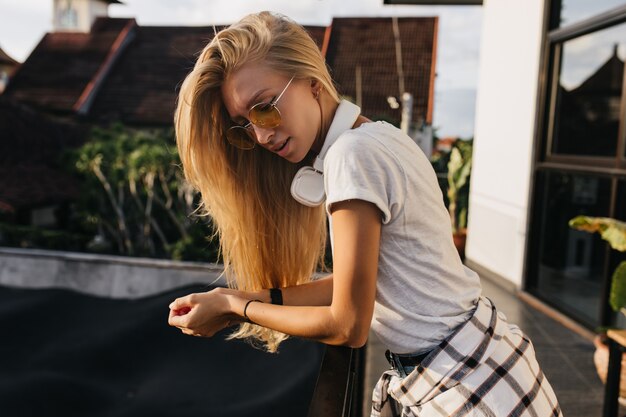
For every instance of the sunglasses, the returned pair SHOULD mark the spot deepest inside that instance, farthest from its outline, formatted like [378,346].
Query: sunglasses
[263,115]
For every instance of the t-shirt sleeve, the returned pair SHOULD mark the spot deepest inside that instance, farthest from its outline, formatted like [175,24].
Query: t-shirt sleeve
[360,167]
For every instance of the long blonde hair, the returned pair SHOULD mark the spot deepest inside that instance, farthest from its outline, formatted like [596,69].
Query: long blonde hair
[267,238]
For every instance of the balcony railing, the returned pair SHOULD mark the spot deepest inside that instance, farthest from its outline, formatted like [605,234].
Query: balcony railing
[339,388]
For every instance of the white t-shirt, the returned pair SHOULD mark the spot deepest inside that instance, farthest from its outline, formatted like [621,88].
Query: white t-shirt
[423,290]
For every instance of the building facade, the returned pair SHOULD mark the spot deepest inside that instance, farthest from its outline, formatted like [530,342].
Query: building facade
[550,144]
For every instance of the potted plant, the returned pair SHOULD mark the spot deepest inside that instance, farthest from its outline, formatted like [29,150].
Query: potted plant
[459,170]
[614,232]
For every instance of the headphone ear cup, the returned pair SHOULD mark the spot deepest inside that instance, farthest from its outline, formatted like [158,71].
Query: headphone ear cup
[307,187]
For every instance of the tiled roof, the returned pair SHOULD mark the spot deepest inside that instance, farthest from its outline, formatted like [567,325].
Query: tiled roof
[141,87]
[136,83]
[368,43]
[29,186]
[5,59]
[63,64]
[30,146]
[317,33]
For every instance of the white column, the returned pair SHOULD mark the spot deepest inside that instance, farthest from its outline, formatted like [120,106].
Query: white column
[504,129]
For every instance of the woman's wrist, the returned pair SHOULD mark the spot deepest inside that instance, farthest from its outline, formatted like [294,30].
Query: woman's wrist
[237,305]
[237,299]
[245,309]
[240,308]
[263,296]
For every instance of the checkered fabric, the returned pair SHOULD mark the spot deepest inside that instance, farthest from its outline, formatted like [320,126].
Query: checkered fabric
[485,368]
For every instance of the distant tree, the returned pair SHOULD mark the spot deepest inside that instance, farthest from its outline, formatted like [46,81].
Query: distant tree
[135,195]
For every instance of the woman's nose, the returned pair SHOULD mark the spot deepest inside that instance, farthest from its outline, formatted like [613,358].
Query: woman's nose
[263,135]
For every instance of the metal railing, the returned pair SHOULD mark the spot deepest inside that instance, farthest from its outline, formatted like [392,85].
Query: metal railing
[339,388]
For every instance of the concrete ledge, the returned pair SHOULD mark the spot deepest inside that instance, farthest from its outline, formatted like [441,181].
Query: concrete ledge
[102,275]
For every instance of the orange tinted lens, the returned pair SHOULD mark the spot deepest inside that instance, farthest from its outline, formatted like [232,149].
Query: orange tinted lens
[265,115]
[241,137]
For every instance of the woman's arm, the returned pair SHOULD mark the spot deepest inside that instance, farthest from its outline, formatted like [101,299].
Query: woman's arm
[315,293]
[346,321]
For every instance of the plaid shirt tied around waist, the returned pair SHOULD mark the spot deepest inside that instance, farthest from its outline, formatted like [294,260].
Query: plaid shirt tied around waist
[487,367]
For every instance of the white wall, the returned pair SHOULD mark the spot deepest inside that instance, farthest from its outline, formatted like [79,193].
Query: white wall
[505,120]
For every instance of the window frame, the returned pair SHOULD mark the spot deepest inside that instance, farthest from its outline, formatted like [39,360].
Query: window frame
[545,161]
[554,44]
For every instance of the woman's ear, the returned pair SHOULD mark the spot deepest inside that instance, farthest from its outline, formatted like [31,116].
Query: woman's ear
[316,86]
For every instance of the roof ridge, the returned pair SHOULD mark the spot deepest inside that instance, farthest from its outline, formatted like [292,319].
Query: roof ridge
[4,57]
[326,41]
[85,100]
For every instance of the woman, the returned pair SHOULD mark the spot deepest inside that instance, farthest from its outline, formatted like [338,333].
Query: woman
[259,108]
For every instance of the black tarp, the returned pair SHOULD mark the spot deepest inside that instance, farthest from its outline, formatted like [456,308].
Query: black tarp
[68,354]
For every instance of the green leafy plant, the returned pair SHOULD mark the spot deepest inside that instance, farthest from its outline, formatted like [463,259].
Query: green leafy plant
[459,170]
[135,200]
[614,232]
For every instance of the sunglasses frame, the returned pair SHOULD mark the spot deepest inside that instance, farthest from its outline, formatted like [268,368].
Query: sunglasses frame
[249,127]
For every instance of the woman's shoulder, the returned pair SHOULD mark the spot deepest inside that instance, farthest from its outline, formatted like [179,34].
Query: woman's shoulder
[367,148]
[374,135]
[360,143]
[377,139]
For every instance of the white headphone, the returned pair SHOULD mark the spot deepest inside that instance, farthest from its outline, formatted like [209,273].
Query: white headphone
[307,186]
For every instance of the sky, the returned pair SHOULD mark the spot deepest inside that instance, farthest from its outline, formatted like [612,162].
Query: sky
[24,22]
[583,56]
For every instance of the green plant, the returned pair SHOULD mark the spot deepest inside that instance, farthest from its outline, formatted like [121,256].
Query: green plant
[135,200]
[459,170]
[614,232]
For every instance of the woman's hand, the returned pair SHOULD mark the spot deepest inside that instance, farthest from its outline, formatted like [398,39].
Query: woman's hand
[203,314]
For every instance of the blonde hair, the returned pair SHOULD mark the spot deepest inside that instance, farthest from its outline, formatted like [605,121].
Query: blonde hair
[267,238]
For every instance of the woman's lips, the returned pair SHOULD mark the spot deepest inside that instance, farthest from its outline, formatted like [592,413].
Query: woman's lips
[282,150]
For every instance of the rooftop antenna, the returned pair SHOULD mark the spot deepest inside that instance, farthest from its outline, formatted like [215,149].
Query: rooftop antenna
[398,44]
[405,97]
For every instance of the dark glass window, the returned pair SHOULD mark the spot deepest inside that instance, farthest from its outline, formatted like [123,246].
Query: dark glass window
[573,11]
[580,169]
[588,97]
[571,264]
